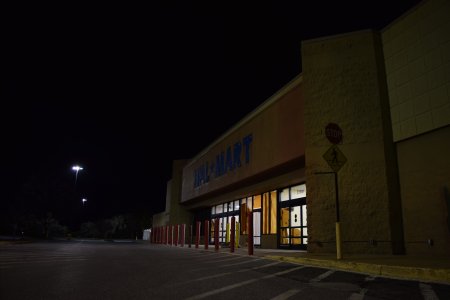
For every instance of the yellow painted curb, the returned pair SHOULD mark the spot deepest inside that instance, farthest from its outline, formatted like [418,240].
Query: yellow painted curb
[410,273]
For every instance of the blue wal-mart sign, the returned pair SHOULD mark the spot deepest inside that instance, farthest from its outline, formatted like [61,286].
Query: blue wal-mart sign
[227,161]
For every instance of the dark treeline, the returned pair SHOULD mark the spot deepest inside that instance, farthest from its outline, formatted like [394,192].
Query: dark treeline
[48,206]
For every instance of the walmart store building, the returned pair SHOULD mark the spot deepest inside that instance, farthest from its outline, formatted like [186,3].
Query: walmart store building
[373,106]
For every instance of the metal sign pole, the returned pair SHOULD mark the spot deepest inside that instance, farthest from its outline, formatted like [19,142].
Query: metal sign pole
[338,226]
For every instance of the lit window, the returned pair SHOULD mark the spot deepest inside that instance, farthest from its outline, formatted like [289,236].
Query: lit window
[284,195]
[257,202]
[266,213]
[273,212]
[249,204]
[244,216]
[236,205]
[298,191]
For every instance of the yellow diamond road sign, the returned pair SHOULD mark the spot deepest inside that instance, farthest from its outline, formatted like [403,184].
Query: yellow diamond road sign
[335,158]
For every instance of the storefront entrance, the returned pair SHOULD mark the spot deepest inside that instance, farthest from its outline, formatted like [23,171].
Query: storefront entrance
[292,218]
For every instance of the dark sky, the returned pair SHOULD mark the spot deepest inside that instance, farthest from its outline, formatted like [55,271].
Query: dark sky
[124,90]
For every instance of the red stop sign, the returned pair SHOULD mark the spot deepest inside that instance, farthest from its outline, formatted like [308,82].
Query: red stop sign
[333,133]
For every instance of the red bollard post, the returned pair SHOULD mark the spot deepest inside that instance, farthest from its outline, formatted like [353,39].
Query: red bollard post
[157,235]
[232,234]
[216,234]
[152,233]
[167,234]
[177,230]
[197,232]
[206,234]
[183,234]
[163,232]
[171,235]
[190,235]
[250,233]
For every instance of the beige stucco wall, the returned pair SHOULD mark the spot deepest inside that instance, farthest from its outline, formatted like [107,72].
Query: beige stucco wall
[178,213]
[417,54]
[417,57]
[344,83]
[277,139]
[424,164]
[161,219]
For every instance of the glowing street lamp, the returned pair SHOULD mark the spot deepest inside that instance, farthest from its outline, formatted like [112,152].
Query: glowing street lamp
[83,200]
[76,169]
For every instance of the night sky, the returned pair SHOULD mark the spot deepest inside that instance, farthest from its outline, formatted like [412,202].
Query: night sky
[124,90]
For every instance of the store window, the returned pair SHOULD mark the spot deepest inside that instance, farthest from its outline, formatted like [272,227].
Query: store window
[298,191]
[244,216]
[257,202]
[269,210]
[222,214]
[284,195]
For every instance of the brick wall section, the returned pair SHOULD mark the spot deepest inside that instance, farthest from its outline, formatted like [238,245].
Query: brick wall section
[417,53]
[344,83]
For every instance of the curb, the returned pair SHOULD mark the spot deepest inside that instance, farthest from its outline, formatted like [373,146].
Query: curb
[400,272]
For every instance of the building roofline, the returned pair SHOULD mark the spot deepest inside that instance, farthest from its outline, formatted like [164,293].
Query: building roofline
[277,95]
[404,15]
[334,36]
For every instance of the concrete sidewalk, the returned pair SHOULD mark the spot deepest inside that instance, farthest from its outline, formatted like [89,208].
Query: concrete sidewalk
[426,269]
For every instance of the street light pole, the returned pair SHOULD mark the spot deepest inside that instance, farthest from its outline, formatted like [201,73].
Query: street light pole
[76,169]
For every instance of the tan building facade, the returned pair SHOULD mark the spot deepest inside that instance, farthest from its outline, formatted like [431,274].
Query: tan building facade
[372,108]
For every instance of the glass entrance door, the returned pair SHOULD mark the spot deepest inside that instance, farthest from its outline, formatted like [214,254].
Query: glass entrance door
[293,230]
[292,218]
[257,228]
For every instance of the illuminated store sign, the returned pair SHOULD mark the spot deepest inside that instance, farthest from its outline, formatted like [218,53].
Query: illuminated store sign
[224,162]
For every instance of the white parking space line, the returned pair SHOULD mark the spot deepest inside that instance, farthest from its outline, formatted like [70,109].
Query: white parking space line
[203,254]
[257,268]
[358,296]
[242,262]
[362,291]
[244,270]
[265,266]
[283,272]
[239,284]
[222,260]
[427,292]
[286,295]
[207,277]
[228,273]
[322,276]
[223,289]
